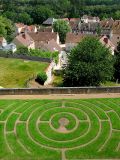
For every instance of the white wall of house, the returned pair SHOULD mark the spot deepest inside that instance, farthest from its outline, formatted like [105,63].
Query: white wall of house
[19,30]
[10,47]
[112,49]
[87,20]
[31,45]
[4,42]
[49,73]
[58,39]
[35,30]
[115,39]
[62,61]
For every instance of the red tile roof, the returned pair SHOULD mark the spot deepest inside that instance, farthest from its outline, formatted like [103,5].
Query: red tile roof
[50,46]
[73,38]
[19,25]
[43,36]
[23,39]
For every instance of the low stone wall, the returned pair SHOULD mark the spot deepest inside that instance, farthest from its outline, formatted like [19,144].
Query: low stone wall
[64,90]
[26,57]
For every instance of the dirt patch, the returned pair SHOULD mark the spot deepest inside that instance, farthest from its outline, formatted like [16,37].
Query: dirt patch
[63,123]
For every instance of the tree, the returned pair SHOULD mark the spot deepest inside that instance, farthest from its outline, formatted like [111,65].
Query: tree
[89,64]
[117,64]
[62,28]
[117,15]
[25,18]
[41,13]
[22,50]
[6,28]
[11,15]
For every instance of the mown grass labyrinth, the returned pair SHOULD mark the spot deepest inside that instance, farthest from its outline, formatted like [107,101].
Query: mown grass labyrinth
[60,129]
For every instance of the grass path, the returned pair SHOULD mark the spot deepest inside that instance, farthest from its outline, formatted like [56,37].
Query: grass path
[29,129]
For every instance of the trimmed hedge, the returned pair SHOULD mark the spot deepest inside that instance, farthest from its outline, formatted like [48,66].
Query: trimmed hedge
[41,78]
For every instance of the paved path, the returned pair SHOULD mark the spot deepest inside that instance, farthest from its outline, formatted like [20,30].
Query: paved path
[61,96]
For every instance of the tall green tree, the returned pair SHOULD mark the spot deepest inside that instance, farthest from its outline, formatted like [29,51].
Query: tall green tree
[41,13]
[89,64]
[6,28]
[117,64]
[62,27]
[25,18]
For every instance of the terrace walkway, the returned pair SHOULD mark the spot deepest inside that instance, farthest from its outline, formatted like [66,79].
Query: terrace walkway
[61,96]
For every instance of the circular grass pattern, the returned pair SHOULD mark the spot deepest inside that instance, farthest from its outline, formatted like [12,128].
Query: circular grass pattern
[65,120]
[72,129]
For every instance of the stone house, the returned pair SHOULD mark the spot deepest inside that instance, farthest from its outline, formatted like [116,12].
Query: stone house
[115,37]
[4,46]
[39,37]
[89,19]
[106,27]
[51,46]
[107,42]
[3,42]
[49,22]
[22,28]
[24,40]
[88,28]
[72,40]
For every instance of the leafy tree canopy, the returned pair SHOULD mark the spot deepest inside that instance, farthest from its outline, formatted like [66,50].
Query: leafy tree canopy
[62,28]
[41,13]
[89,64]
[117,64]
[39,10]
[6,28]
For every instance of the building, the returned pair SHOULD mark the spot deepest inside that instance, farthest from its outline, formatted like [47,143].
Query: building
[3,42]
[72,40]
[24,40]
[4,46]
[89,19]
[51,46]
[45,29]
[19,27]
[44,37]
[106,27]
[49,21]
[115,38]
[107,42]
[89,28]
[22,28]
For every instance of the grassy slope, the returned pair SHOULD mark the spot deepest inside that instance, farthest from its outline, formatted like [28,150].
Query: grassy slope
[15,72]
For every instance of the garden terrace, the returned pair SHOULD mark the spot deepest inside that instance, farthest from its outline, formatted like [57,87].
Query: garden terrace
[60,129]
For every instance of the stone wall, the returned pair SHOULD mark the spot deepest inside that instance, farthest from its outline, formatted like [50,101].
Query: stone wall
[26,57]
[63,90]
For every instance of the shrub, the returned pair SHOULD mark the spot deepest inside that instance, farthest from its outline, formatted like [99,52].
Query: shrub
[41,78]
[22,50]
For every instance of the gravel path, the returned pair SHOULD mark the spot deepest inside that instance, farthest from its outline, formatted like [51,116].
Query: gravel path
[61,96]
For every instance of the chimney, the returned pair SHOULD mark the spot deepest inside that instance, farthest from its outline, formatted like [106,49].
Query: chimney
[106,40]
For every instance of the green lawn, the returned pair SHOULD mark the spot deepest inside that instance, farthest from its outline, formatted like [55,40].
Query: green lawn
[110,84]
[15,72]
[57,129]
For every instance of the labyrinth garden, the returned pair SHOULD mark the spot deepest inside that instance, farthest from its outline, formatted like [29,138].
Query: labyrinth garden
[60,129]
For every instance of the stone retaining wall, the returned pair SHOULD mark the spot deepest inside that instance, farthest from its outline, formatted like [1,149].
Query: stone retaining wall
[64,90]
[26,57]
